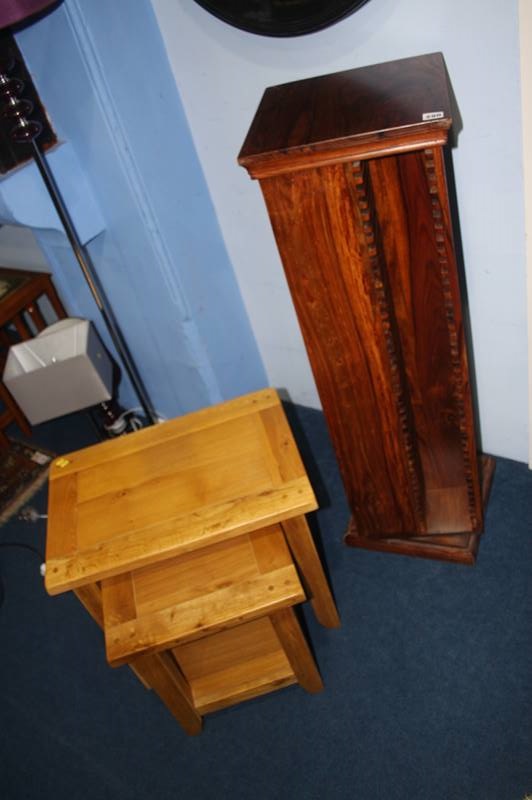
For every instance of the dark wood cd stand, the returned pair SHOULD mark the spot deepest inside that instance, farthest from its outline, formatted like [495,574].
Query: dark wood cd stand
[356,173]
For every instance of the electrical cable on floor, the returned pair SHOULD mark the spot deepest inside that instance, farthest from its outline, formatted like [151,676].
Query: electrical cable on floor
[24,546]
[30,514]
[128,421]
[120,425]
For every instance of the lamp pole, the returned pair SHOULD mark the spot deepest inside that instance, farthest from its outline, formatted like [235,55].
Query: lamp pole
[91,276]
[26,130]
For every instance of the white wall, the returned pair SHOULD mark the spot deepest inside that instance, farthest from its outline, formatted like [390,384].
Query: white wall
[221,73]
[19,249]
[525,28]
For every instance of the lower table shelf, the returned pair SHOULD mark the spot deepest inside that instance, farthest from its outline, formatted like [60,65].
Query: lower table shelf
[234,665]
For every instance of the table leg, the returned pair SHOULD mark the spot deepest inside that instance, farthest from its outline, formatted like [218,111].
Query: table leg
[304,551]
[161,672]
[90,596]
[55,302]
[15,412]
[297,650]
[35,313]
[158,672]
[22,327]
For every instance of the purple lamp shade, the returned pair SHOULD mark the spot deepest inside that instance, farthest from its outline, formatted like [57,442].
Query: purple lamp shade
[12,11]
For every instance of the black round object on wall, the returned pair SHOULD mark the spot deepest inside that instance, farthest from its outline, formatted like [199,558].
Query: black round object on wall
[281,17]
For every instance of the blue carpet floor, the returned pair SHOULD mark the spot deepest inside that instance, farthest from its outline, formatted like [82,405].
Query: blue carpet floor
[428,683]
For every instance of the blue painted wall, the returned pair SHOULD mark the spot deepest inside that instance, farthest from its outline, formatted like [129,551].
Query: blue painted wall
[102,73]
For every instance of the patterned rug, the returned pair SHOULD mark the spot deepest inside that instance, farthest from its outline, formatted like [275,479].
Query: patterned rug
[23,470]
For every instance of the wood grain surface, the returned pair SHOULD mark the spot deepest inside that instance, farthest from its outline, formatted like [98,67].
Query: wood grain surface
[172,488]
[358,198]
[350,114]
[191,596]
[234,665]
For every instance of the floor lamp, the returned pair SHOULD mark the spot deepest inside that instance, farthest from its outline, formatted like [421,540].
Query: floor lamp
[25,130]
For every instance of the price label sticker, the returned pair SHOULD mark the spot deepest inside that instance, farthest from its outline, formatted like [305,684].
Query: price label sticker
[40,458]
[429,115]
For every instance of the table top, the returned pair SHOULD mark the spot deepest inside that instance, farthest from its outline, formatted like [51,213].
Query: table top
[332,116]
[172,488]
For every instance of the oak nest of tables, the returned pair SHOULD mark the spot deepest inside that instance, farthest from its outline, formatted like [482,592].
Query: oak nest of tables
[188,543]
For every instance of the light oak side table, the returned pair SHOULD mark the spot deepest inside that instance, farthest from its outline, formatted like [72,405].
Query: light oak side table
[188,544]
